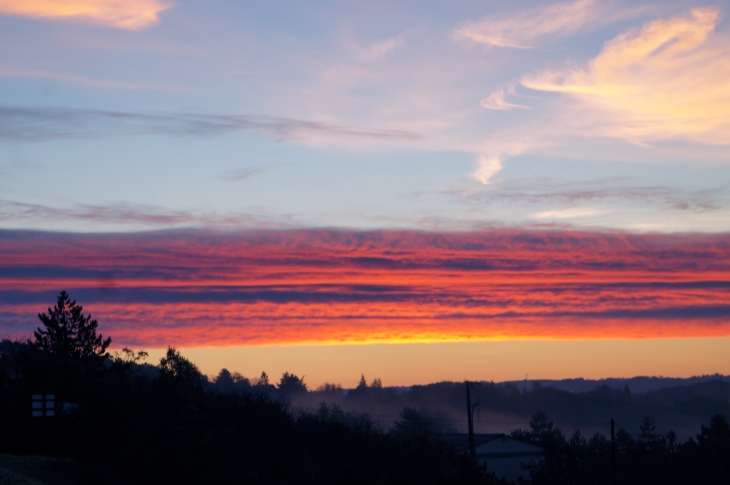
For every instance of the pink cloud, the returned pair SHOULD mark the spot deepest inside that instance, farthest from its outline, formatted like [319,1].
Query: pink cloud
[522,30]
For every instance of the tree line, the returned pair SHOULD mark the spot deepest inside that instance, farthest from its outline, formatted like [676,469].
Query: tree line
[133,422]
[167,424]
[649,458]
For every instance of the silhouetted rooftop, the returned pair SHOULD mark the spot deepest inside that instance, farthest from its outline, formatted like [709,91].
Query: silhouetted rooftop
[460,441]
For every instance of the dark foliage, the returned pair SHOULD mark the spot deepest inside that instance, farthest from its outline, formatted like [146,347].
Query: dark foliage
[167,424]
[176,428]
[649,458]
[68,334]
[290,384]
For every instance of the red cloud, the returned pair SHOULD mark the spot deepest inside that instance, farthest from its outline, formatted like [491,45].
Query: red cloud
[267,287]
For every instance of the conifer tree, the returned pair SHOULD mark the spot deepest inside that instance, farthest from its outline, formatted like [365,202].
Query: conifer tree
[68,334]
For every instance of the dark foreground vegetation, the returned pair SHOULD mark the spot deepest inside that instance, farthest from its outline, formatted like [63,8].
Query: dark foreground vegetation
[121,420]
[166,425]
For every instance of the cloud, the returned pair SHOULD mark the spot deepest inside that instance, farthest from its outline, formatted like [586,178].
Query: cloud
[125,213]
[669,79]
[615,203]
[487,167]
[496,100]
[380,49]
[241,174]
[569,213]
[128,216]
[540,192]
[43,124]
[272,287]
[618,204]
[123,14]
[10,71]
[524,29]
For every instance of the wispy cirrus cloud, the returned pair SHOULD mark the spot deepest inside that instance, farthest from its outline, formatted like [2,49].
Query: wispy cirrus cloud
[537,192]
[490,163]
[126,216]
[569,213]
[523,30]
[497,101]
[487,167]
[380,49]
[240,174]
[16,72]
[617,203]
[127,213]
[670,79]
[123,14]
[43,124]
[273,287]
[663,82]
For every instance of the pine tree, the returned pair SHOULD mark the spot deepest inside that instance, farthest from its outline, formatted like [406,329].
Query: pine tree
[68,334]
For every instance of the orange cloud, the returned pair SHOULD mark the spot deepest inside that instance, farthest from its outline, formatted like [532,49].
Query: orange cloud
[124,14]
[669,79]
[280,287]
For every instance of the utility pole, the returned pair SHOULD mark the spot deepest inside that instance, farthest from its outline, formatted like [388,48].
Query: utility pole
[613,453]
[470,417]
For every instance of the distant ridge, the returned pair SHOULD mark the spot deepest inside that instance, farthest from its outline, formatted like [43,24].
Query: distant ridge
[639,384]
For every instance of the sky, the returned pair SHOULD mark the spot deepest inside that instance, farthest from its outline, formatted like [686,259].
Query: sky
[337,188]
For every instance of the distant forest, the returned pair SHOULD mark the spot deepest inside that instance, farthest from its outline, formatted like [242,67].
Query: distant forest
[124,420]
[682,406]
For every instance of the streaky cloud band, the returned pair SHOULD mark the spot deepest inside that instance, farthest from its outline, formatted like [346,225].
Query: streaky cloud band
[203,287]
[46,124]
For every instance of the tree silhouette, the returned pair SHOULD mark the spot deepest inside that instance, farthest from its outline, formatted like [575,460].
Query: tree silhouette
[263,380]
[714,451]
[329,387]
[647,430]
[224,380]
[291,384]
[173,366]
[68,334]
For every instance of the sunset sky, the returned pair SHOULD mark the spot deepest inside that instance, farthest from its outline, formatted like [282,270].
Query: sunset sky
[416,191]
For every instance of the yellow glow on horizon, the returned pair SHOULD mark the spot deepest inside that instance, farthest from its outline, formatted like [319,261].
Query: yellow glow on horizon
[421,363]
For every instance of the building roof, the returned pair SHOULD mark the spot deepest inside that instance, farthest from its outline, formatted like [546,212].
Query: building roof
[460,441]
[494,446]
